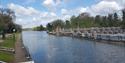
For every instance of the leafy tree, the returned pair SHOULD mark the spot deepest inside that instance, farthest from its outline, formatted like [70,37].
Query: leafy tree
[123,18]
[39,28]
[116,20]
[110,20]
[74,22]
[115,17]
[97,21]
[49,27]
[7,17]
[104,22]
[57,25]
[84,20]
[67,24]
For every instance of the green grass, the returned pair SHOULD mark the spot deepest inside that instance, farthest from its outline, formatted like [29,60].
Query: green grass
[10,43]
[6,57]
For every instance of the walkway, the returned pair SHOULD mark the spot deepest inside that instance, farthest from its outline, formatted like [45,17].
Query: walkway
[19,51]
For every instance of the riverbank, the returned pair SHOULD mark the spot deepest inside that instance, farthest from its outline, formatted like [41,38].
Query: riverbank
[7,48]
[21,54]
[116,34]
[12,49]
[119,37]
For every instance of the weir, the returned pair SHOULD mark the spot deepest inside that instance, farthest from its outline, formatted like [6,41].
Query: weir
[104,33]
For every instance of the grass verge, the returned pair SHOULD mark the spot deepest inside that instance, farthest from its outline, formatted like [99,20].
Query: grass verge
[9,42]
[6,57]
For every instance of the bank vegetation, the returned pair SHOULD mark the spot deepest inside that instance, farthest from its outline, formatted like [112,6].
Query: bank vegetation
[85,20]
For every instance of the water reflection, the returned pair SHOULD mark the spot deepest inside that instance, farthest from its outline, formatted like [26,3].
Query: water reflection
[46,48]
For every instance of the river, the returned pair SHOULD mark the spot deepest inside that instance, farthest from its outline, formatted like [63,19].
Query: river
[45,48]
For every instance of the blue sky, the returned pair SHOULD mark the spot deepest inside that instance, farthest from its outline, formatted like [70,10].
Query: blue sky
[30,13]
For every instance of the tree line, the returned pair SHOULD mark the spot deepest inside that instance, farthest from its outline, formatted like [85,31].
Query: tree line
[84,20]
[39,28]
[7,25]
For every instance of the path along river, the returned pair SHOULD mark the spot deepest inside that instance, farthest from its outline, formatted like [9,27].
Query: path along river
[45,48]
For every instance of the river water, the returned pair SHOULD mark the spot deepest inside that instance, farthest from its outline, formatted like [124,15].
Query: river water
[45,48]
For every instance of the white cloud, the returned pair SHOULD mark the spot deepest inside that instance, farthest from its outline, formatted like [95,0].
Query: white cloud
[120,2]
[104,8]
[22,10]
[58,2]
[52,5]
[66,17]
[81,10]
[30,17]
[48,2]
[64,11]
[75,11]
[51,2]
[53,14]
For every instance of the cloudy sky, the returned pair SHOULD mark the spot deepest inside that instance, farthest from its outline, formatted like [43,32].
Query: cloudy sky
[30,13]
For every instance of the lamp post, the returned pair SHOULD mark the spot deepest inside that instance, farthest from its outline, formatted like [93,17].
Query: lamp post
[14,33]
